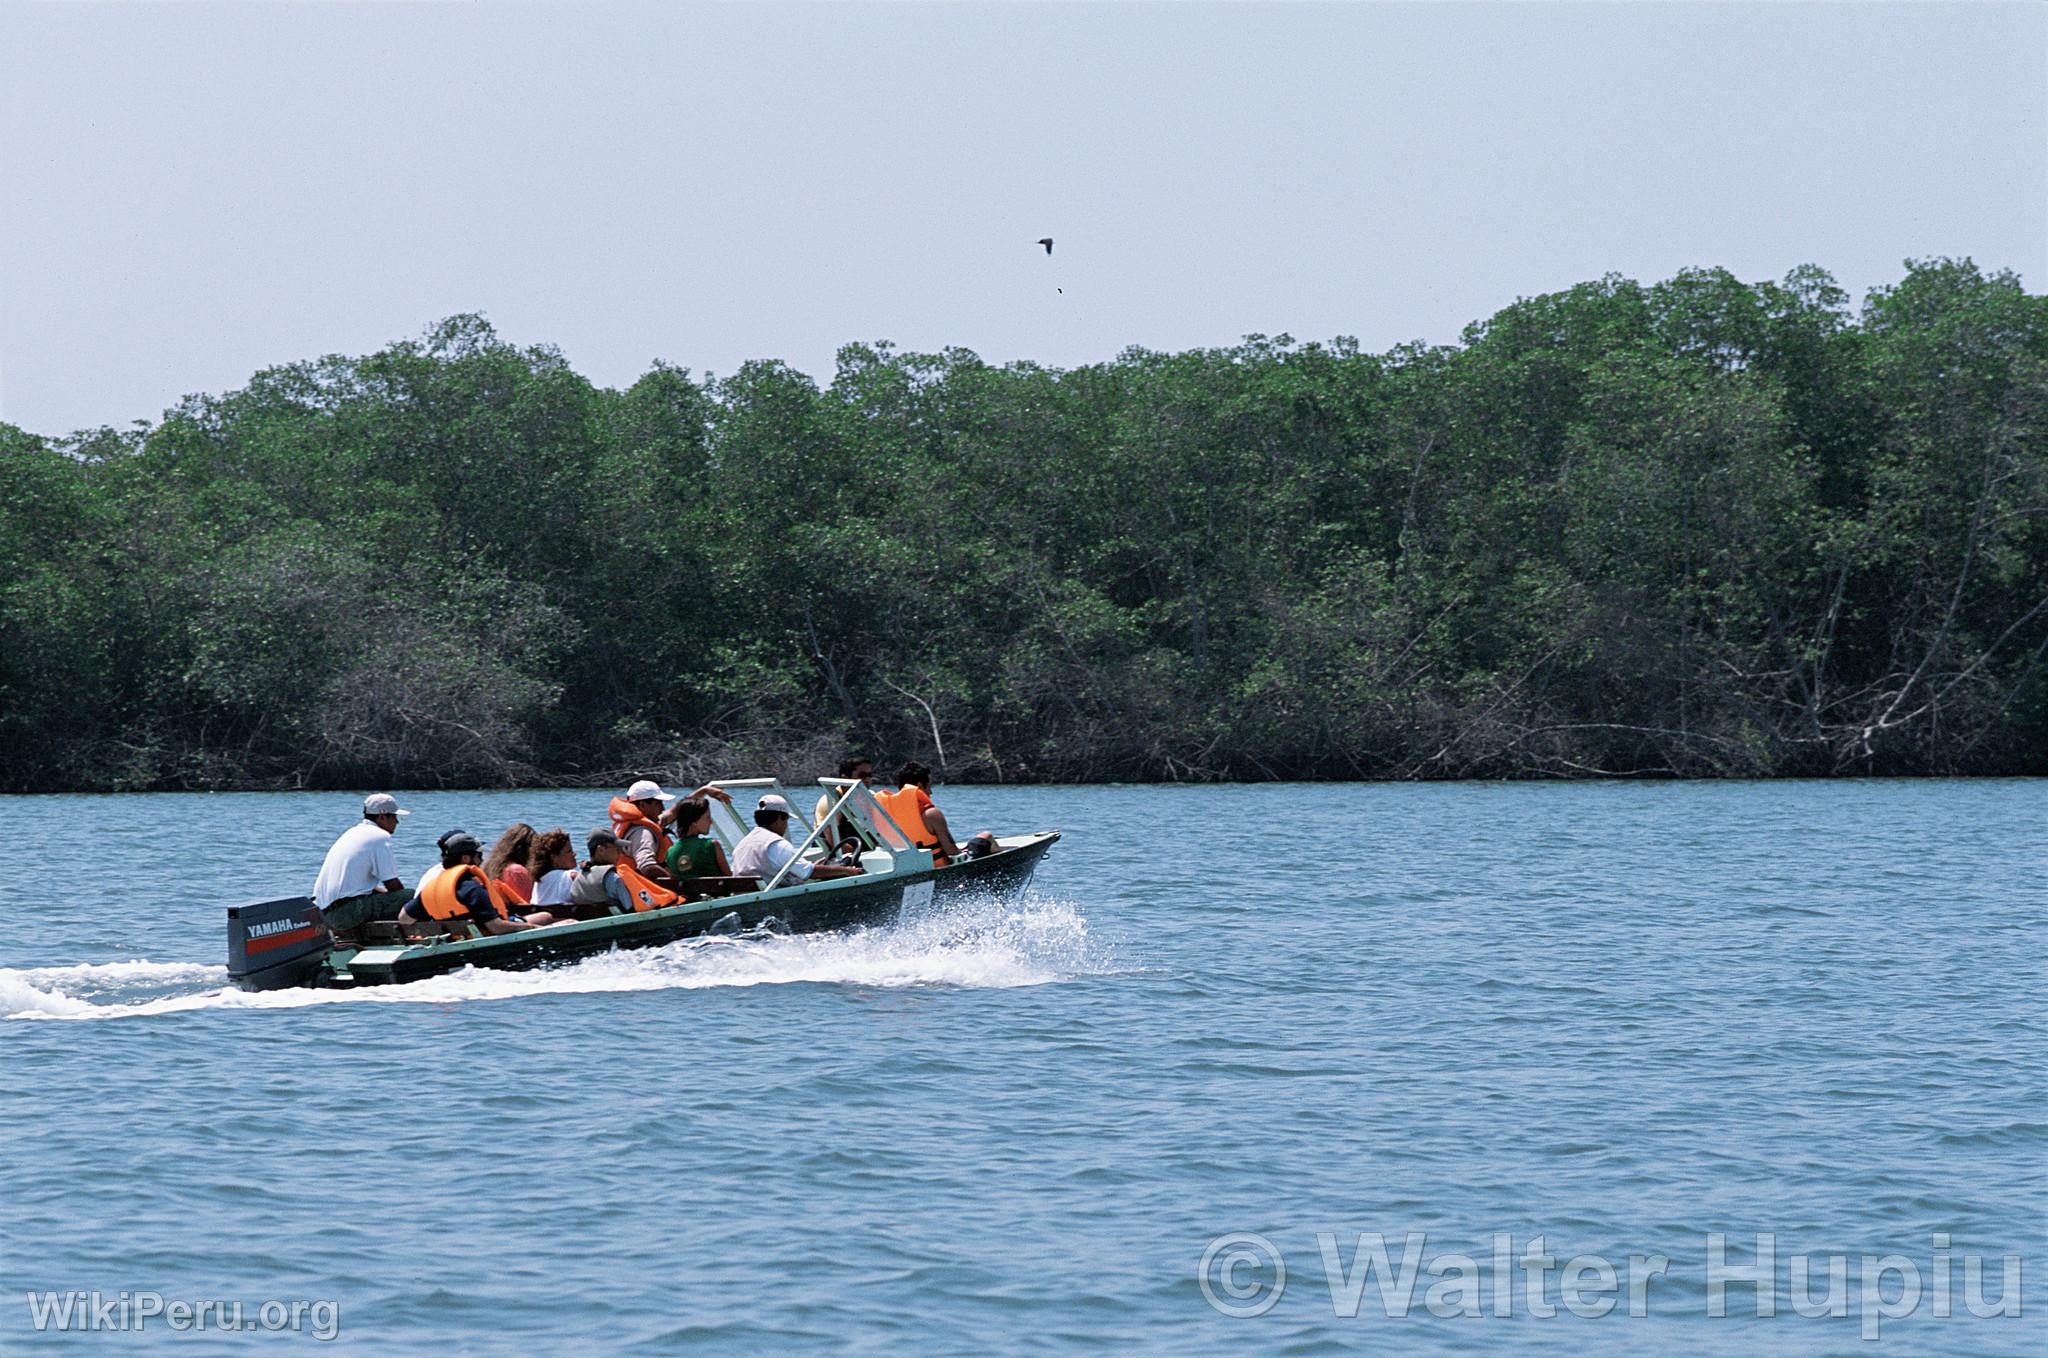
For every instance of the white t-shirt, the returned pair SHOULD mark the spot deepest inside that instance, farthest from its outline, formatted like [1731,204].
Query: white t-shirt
[762,853]
[429,875]
[360,862]
[553,888]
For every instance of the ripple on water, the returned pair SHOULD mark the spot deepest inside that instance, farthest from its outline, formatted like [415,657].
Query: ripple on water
[1617,1017]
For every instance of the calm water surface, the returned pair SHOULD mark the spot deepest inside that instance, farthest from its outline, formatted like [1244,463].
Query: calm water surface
[1616,1017]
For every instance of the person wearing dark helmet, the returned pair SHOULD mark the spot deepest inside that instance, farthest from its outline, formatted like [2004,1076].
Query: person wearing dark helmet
[462,894]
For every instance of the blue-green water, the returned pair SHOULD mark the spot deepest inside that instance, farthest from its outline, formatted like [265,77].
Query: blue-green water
[1620,1018]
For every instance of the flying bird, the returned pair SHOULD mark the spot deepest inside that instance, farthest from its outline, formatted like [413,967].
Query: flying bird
[1046,241]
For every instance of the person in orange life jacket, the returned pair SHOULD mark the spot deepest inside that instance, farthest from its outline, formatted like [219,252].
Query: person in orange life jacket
[766,848]
[910,806]
[642,825]
[462,892]
[440,847]
[598,882]
[506,865]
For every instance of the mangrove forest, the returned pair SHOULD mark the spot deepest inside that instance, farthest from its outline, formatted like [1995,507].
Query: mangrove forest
[1696,528]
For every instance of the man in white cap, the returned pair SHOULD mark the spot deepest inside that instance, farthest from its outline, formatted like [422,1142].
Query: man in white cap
[359,880]
[766,848]
[641,823]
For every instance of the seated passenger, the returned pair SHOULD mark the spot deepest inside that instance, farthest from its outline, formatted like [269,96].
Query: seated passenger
[597,882]
[695,853]
[853,767]
[611,879]
[505,864]
[642,826]
[462,894]
[766,848]
[552,861]
[910,806]
[358,882]
[440,847]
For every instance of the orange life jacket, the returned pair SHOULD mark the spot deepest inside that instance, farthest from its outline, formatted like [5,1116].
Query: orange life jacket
[646,894]
[438,896]
[626,816]
[903,807]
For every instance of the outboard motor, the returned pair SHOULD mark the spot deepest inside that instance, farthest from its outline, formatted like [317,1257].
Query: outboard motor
[276,943]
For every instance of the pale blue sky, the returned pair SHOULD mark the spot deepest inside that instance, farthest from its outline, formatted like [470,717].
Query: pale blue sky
[193,192]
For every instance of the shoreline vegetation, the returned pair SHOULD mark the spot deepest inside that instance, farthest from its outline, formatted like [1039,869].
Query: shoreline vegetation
[1700,528]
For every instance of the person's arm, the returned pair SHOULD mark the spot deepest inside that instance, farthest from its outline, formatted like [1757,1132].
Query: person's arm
[724,868]
[483,910]
[706,792]
[615,889]
[384,864]
[935,821]
[779,853]
[800,871]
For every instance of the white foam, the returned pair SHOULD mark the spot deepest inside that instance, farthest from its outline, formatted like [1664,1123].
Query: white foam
[987,944]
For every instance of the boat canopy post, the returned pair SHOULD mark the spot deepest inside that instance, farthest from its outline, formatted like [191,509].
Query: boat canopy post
[868,814]
[860,804]
[726,825]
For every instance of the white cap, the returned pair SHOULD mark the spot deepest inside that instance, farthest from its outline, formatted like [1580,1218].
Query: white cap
[773,802]
[644,790]
[382,804]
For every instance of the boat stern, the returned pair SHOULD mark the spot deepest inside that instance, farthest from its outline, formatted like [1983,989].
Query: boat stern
[275,944]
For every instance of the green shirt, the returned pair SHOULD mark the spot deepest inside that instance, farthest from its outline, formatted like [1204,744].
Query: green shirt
[696,856]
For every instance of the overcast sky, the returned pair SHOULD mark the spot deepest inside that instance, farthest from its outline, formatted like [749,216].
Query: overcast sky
[193,192]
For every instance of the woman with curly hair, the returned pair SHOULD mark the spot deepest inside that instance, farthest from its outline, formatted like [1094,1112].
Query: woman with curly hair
[552,861]
[506,863]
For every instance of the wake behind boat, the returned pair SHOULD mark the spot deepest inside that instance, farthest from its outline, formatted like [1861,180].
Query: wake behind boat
[288,942]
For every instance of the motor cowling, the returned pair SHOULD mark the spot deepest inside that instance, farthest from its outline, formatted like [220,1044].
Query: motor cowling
[276,943]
